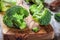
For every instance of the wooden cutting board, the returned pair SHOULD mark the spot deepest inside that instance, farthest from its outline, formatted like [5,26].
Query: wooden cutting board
[46,33]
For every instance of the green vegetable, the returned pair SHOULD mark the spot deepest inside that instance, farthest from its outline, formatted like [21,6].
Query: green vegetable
[10,2]
[28,1]
[35,29]
[0,5]
[35,1]
[36,8]
[7,21]
[57,17]
[43,17]
[14,17]
[6,4]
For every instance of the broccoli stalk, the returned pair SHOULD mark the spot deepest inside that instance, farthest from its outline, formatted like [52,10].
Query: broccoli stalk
[14,17]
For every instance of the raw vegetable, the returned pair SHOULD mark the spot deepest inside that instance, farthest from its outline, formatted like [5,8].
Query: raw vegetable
[57,17]
[43,17]
[36,8]
[6,4]
[35,1]
[35,29]
[14,17]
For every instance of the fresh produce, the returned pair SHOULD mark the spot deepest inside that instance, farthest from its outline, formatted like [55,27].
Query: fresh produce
[14,17]
[57,17]
[43,17]
[36,8]
[35,1]
[35,29]
[6,4]
[0,5]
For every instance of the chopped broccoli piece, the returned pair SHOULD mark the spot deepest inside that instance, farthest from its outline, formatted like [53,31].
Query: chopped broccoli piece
[7,21]
[15,17]
[10,2]
[33,9]
[36,8]
[23,25]
[6,4]
[35,29]
[57,17]
[35,1]
[28,1]
[43,17]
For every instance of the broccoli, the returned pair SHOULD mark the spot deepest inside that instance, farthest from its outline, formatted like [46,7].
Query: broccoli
[28,1]
[35,1]
[35,29]
[43,17]
[7,21]
[36,8]
[6,4]
[57,17]
[0,5]
[14,17]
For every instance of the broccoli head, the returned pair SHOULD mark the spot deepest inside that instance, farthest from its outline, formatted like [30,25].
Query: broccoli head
[43,17]
[14,17]
[57,17]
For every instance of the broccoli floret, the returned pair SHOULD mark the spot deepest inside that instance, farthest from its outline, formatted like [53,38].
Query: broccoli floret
[7,21]
[35,29]
[35,1]
[43,17]
[28,1]
[57,17]
[6,4]
[36,8]
[0,5]
[15,17]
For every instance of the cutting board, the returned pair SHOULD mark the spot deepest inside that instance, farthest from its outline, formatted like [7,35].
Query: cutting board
[45,33]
